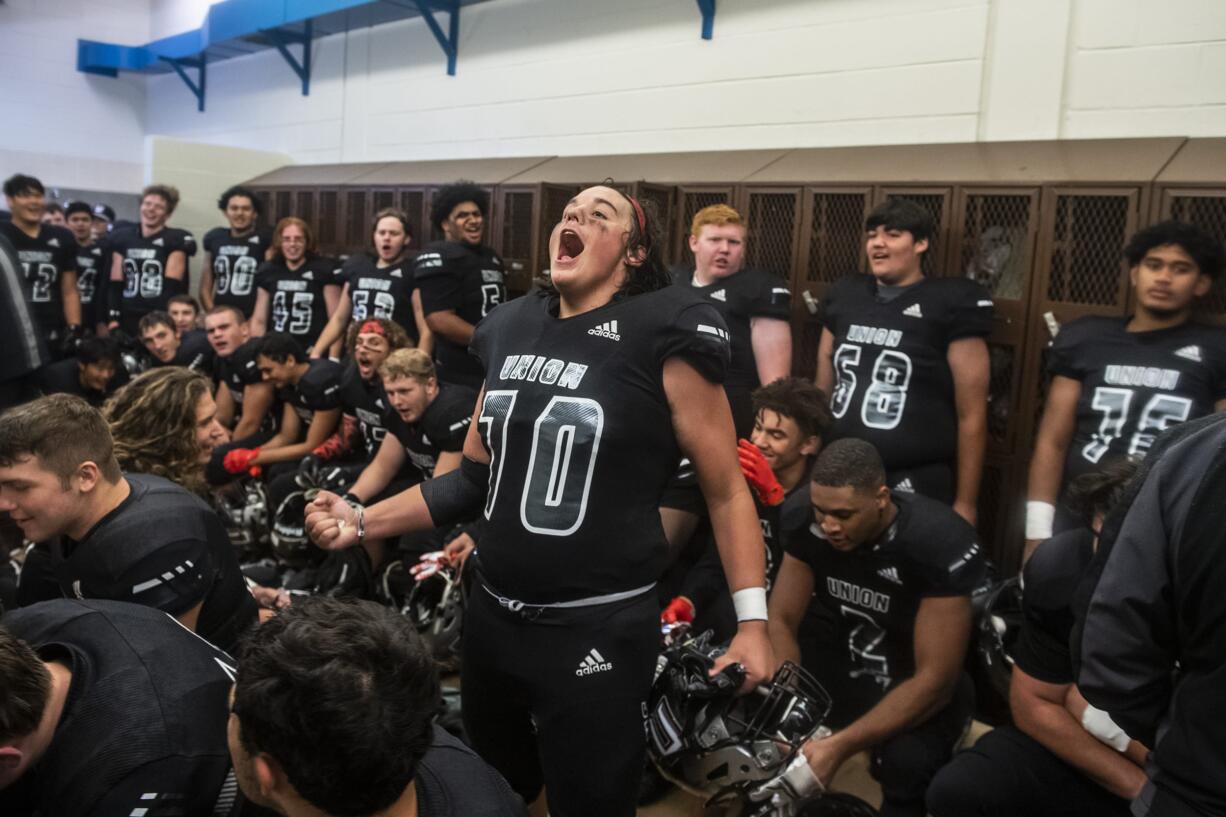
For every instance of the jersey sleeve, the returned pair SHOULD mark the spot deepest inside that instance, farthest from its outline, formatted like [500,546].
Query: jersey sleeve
[173,578]
[171,785]
[803,545]
[66,256]
[1041,651]
[440,283]
[971,313]
[212,238]
[699,336]
[1217,363]
[448,428]
[953,563]
[772,299]
[323,391]
[265,276]
[1063,358]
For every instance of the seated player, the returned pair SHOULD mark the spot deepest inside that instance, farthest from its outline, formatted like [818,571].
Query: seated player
[382,286]
[150,261]
[233,253]
[1055,759]
[755,303]
[246,404]
[92,266]
[310,391]
[165,423]
[110,709]
[93,374]
[460,280]
[297,290]
[1117,382]
[134,537]
[890,576]
[791,419]
[185,312]
[905,361]
[332,714]
[169,347]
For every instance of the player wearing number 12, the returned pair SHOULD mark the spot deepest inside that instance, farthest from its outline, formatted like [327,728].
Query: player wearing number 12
[1117,382]
[232,254]
[905,363]
[593,390]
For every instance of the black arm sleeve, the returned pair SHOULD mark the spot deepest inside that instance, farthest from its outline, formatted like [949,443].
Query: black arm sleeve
[458,495]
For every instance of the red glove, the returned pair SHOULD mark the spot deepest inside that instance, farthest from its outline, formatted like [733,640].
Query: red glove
[758,471]
[679,609]
[239,460]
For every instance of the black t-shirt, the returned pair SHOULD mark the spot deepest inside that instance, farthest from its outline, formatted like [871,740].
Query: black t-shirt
[235,261]
[893,386]
[381,292]
[1135,384]
[442,427]
[93,271]
[866,599]
[64,377]
[296,302]
[143,729]
[1049,585]
[145,285]
[470,281]
[741,297]
[44,259]
[452,781]
[318,390]
[163,547]
[581,438]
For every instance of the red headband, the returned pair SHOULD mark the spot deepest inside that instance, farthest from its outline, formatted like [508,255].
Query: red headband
[638,212]
[372,327]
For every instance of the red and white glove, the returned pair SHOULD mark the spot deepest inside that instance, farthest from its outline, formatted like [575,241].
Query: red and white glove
[679,609]
[428,565]
[239,460]
[758,471]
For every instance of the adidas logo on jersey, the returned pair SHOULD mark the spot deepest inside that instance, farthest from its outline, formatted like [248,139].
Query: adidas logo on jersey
[913,311]
[890,574]
[720,295]
[905,486]
[157,242]
[53,242]
[593,663]
[255,239]
[396,273]
[608,329]
[308,276]
[1189,353]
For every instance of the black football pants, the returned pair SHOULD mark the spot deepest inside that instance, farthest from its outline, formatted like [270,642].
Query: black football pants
[1010,774]
[556,697]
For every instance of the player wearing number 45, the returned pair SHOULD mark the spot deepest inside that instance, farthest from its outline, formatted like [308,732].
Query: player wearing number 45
[297,290]
[594,389]
[232,254]
[1117,382]
[904,360]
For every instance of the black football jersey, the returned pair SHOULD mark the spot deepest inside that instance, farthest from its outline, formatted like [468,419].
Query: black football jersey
[893,386]
[1050,583]
[581,438]
[44,259]
[469,280]
[365,402]
[194,353]
[143,729]
[93,271]
[1135,384]
[866,599]
[145,285]
[442,427]
[318,390]
[163,547]
[296,303]
[381,292]
[238,371]
[64,377]
[741,297]
[235,263]
[453,781]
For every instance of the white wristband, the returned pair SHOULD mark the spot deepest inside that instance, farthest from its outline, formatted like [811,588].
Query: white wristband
[750,604]
[1039,519]
[1099,724]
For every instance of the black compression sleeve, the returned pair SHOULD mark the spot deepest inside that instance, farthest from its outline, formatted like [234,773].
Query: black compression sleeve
[115,299]
[458,495]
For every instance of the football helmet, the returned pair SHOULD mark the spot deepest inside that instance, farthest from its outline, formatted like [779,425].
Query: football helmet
[246,518]
[435,605]
[714,743]
[997,627]
[290,543]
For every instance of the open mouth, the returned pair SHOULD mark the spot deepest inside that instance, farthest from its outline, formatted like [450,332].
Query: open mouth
[879,256]
[570,245]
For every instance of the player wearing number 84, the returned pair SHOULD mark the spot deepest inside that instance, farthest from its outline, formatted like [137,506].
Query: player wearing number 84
[573,441]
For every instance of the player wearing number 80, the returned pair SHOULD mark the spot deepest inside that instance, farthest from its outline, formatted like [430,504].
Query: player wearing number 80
[904,361]
[234,253]
[575,439]
[1117,382]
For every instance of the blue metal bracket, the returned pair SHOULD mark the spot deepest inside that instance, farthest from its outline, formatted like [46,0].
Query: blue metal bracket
[450,40]
[197,88]
[282,39]
[707,7]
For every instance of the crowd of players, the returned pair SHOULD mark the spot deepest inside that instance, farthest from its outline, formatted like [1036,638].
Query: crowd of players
[619,453]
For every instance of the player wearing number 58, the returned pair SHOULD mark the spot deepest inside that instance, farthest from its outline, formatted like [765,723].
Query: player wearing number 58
[1117,382]
[594,388]
[904,359]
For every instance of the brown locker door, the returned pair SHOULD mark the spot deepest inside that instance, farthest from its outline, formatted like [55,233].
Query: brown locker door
[284,203]
[552,201]
[1206,208]
[355,238]
[937,201]
[304,208]
[328,226]
[513,237]
[689,201]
